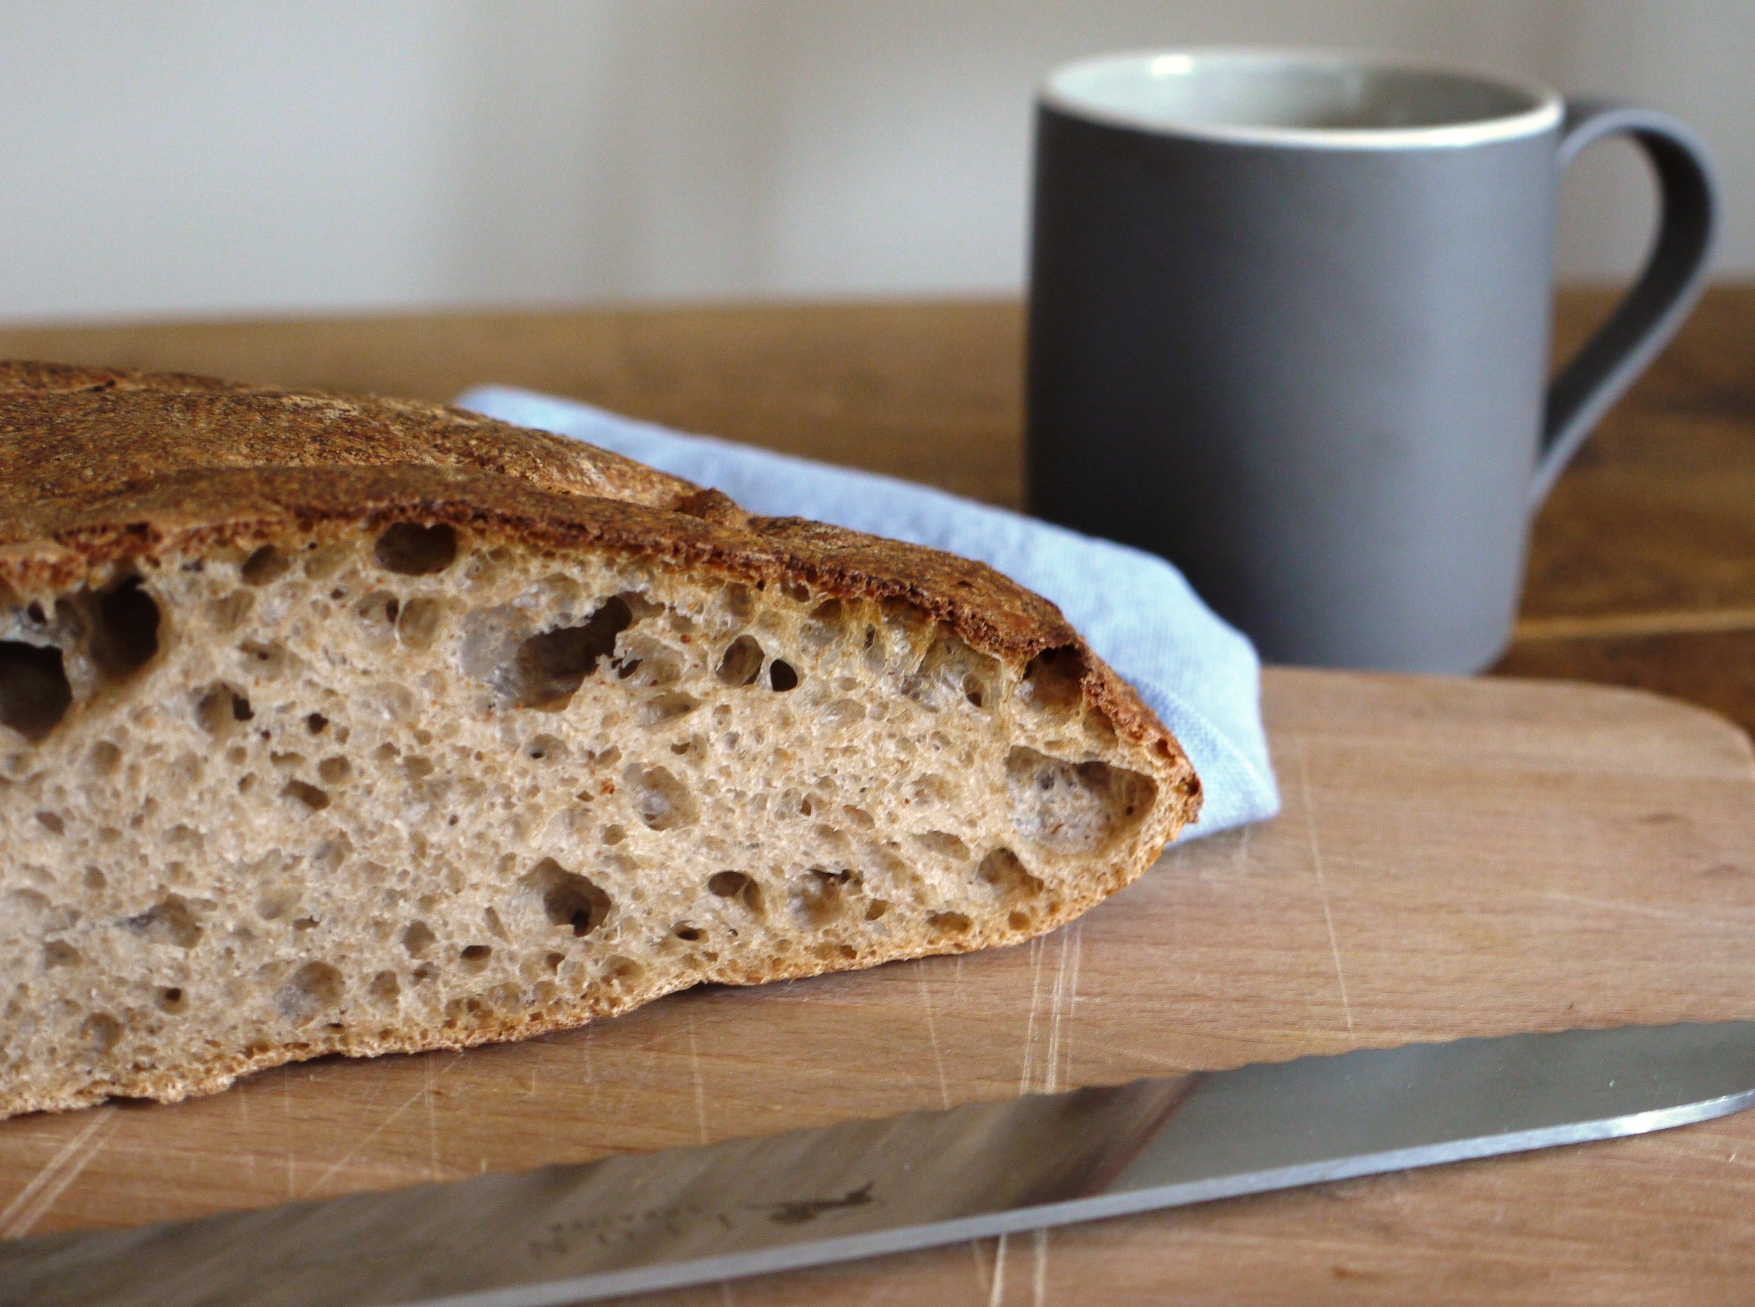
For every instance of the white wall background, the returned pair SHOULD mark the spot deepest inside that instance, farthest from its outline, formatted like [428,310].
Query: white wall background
[285,156]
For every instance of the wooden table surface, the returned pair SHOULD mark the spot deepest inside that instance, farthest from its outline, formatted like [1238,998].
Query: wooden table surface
[1455,857]
[1642,566]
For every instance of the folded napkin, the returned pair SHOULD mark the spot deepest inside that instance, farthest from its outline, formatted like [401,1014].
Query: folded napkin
[1199,675]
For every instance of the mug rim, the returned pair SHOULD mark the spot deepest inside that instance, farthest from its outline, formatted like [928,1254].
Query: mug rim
[1546,109]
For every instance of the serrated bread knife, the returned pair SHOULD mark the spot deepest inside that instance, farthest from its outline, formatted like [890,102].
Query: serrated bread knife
[623,1225]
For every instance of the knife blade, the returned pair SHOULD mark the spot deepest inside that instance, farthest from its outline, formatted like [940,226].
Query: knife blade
[629,1224]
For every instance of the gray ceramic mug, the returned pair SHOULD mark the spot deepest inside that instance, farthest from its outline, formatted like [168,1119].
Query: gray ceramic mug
[1289,325]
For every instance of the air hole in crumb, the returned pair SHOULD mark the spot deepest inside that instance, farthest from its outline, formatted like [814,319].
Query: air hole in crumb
[944,844]
[742,662]
[265,565]
[101,1032]
[126,637]
[171,1000]
[476,954]
[1008,876]
[663,801]
[876,908]
[410,549]
[546,746]
[34,693]
[947,923]
[418,626]
[267,659]
[781,675]
[736,885]
[221,708]
[684,931]
[549,668]
[1053,680]
[335,771]
[553,960]
[95,879]
[315,723]
[622,971]
[384,989]
[313,989]
[1018,920]
[169,921]
[568,899]
[417,937]
[309,795]
[950,670]
[661,708]
[59,953]
[53,822]
[1074,807]
[613,834]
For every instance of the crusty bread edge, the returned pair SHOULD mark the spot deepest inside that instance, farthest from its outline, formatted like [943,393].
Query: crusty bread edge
[710,535]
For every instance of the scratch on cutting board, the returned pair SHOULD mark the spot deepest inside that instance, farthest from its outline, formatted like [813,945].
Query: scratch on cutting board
[354,1152]
[426,1089]
[1240,856]
[1030,1020]
[1065,996]
[1039,1285]
[61,1170]
[1321,882]
[1056,1061]
[286,1117]
[695,1073]
[1690,915]
[428,1080]
[996,1290]
[938,1058]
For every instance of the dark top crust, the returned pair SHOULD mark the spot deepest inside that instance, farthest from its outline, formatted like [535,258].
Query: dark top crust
[98,468]
[73,437]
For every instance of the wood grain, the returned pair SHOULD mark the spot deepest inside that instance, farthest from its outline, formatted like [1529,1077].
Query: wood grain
[1656,515]
[1455,858]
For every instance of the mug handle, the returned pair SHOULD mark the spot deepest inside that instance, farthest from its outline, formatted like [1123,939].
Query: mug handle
[1672,279]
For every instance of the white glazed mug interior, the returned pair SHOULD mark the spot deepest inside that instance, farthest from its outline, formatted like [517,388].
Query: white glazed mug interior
[1300,98]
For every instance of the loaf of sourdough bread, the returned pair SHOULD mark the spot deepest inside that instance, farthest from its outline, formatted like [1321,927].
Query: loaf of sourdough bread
[345,726]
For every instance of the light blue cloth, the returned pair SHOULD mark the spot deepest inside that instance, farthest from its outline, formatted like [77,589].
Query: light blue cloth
[1200,676]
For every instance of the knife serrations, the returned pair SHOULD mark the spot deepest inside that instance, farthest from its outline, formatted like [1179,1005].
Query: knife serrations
[690,1215]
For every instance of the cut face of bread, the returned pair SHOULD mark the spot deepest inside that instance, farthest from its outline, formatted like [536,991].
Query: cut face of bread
[300,760]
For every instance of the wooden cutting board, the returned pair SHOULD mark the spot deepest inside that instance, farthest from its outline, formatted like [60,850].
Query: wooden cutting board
[1454,858]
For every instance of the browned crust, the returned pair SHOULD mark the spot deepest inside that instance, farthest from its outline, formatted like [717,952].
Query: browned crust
[71,438]
[101,467]
[102,470]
